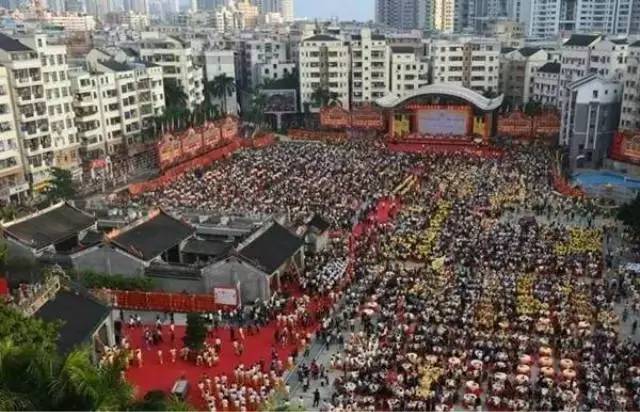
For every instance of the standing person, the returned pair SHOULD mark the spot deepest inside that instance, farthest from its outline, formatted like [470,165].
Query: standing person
[316,398]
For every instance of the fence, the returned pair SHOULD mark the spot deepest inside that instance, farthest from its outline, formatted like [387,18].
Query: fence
[160,302]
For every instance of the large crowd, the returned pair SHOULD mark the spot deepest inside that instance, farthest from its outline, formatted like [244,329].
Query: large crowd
[487,290]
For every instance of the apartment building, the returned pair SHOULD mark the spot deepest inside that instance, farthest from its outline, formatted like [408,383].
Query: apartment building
[546,85]
[545,19]
[57,87]
[405,14]
[469,62]
[221,62]
[630,111]
[585,54]
[177,61]
[517,71]
[116,102]
[42,107]
[408,72]
[73,22]
[13,186]
[256,59]
[324,63]
[592,115]
[370,59]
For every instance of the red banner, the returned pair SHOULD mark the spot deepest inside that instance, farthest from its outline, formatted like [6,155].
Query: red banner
[162,302]
[515,124]
[334,117]
[626,146]
[367,118]
[177,148]
[171,174]
[518,124]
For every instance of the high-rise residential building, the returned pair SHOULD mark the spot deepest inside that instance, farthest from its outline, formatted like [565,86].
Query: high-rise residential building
[517,71]
[408,72]
[444,15]
[549,18]
[75,6]
[406,14]
[469,62]
[283,7]
[248,14]
[115,103]
[630,112]
[221,62]
[42,106]
[591,118]
[370,56]
[177,61]
[256,55]
[324,65]
[73,22]
[13,186]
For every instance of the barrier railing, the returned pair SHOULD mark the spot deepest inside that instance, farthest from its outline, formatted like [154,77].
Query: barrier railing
[158,301]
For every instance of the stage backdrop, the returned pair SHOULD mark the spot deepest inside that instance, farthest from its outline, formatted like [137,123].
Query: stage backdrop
[443,122]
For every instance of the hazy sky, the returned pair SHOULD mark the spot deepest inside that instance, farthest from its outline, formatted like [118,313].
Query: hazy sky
[361,10]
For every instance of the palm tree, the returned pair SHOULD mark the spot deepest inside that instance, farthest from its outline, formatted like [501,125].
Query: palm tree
[322,97]
[174,95]
[35,379]
[222,86]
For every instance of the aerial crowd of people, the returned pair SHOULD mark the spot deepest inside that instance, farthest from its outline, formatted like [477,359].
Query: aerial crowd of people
[486,290]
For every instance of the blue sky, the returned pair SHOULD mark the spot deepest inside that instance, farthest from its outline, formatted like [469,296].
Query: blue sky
[361,10]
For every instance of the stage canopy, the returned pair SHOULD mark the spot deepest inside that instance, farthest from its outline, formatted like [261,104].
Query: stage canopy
[476,99]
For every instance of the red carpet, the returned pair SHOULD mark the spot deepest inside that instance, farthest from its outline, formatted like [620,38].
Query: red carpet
[153,376]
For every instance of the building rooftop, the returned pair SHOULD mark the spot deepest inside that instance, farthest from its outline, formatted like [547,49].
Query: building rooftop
[619,41]
[581,40]
[271,248]
[49,226]
[321,37]
[12,45]
[529,51]
[80,316]
[116,66]
[374,36]
[151,238]
[551,67]
[403,50]
[207,247]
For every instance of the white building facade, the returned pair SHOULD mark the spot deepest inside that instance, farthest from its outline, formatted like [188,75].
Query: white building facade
[324,63]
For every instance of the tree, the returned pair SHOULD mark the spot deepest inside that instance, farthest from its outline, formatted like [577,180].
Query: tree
[532,108]
[257,106]
[322,97]
[195,333]
[61,186]
[27,331]
[174,95]
[222,86]
[629,214]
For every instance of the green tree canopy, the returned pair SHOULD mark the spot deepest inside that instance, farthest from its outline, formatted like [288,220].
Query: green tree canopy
[195,333]
[222,86]
[61,186]
[629,214]
[27,331]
